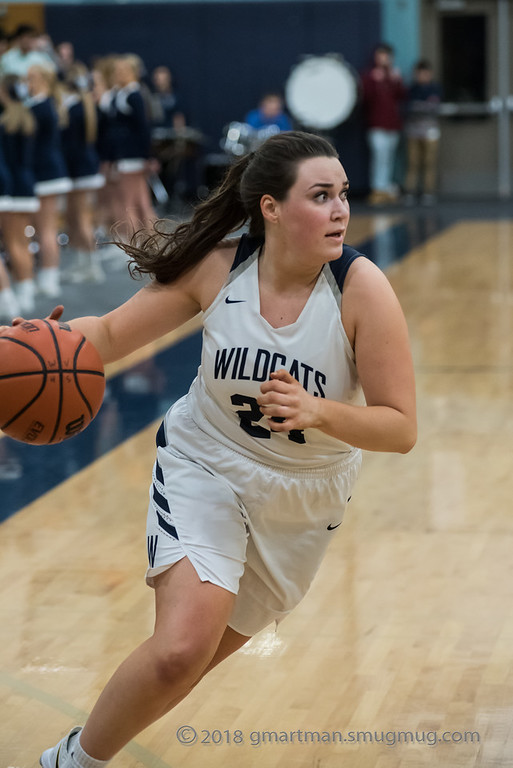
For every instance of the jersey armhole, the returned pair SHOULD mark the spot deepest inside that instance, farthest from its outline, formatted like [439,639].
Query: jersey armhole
[340,267]
[246,248]
[338,273]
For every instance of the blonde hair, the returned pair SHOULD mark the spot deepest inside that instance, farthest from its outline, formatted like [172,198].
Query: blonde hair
[105,66]
[135,62]
[16,117]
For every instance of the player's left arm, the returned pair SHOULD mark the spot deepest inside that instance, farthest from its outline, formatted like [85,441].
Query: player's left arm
[376,326]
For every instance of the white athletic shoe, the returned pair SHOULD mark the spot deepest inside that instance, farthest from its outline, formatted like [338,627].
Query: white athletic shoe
[85,269]
[9,306]
[92,271]
[26,295]
[48,282]
[59,756]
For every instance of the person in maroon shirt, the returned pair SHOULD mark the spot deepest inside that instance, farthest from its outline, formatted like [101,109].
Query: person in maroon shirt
[383,92]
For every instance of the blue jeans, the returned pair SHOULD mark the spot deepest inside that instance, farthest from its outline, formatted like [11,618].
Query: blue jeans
[383,146]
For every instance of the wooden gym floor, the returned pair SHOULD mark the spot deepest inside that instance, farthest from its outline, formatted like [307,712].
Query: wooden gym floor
[401,654]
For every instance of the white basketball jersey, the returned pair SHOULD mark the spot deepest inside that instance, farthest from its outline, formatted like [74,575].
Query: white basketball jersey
[241,349]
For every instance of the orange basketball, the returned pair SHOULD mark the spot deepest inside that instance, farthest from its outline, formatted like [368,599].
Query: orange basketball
[52,382]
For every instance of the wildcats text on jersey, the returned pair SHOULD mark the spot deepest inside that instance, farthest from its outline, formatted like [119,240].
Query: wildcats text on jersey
[232,363]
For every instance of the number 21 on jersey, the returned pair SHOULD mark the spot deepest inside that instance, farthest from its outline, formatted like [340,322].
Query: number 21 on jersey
[251,415]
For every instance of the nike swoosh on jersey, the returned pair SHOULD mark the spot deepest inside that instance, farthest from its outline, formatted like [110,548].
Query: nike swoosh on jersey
[332,527]
[234,301]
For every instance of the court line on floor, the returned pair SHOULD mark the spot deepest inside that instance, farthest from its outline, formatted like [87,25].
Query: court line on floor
[28,691]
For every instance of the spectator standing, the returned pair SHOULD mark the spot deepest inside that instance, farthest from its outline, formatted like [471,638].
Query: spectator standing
[383,93]
[23,53]
[167,111]
[422,131]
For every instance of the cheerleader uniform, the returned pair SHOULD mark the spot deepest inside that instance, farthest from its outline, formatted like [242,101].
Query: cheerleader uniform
[18,149]
[130,129]
[16,168]
[5,178]
[105,141]
[81,157]
[9,307]
[49,166]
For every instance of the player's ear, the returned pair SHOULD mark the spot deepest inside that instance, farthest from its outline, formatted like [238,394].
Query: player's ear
[269,208]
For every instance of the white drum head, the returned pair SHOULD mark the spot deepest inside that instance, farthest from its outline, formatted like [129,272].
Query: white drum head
[321,92]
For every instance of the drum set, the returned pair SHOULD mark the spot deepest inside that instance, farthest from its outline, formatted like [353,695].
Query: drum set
[178,151]
[240,138]
[321,93]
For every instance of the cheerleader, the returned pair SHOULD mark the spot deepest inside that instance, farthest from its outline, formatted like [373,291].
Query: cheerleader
[50,170]
[5,177]
[17,142]
[9,307]
[110,209]
[131,136]
[78,139]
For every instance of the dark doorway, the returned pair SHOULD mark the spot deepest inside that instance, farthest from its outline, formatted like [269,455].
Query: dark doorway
[464,73]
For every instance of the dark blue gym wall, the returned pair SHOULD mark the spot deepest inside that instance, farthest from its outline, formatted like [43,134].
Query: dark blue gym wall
[225,54]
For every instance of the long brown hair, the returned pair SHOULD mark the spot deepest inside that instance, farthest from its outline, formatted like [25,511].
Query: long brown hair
[271,169]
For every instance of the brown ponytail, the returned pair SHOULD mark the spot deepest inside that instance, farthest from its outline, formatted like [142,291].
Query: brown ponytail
[271,169]
[167,256]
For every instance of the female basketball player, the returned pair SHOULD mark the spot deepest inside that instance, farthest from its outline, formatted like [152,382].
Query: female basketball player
[305,362]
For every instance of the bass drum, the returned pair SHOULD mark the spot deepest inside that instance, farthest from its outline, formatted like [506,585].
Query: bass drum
[321,91]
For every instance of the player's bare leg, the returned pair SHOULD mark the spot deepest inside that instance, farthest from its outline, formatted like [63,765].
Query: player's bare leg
[46,223]
[191,621]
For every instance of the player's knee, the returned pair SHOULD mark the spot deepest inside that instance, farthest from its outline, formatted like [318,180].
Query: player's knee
[182,664]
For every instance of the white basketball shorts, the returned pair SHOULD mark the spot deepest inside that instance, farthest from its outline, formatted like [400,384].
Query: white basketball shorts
[256,530]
